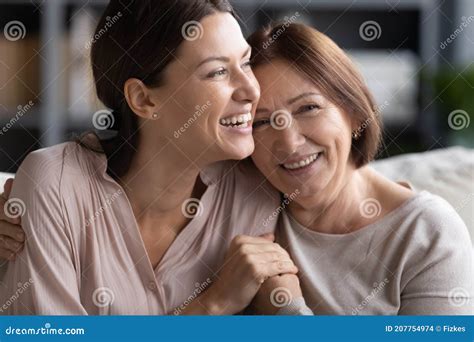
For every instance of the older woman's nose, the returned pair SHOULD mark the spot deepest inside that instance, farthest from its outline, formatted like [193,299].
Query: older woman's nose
[288,141]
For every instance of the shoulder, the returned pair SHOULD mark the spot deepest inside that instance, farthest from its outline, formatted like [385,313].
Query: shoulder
[436,255]
[435,218]
[434,237]
[41,168]
[45,170]
[421,213]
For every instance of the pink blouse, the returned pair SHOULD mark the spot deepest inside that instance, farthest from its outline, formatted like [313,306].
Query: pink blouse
[84,253]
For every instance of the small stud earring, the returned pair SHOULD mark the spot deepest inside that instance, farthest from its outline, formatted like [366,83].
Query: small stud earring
[356,135]
[155,116]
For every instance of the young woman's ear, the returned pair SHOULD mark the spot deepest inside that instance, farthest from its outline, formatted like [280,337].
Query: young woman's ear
[138,97]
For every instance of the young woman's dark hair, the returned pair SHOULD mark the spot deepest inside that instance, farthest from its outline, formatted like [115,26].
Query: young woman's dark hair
[138,39]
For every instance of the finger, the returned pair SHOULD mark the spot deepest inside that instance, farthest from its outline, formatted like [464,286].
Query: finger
[247,239]
[9,244]
[5,255]
[7,188]
[275,247]
[271,257]
[268,236]
[264,248]
[12,231]
[3,213]
[280,267]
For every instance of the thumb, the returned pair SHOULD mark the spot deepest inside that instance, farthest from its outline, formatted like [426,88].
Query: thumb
[7,188]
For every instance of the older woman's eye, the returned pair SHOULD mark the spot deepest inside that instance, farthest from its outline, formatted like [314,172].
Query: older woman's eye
[260,123]
[308,108]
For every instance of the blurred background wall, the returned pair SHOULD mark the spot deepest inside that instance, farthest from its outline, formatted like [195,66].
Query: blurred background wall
[416,55]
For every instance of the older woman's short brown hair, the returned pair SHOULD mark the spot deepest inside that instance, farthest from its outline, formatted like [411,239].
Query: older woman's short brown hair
[318,58]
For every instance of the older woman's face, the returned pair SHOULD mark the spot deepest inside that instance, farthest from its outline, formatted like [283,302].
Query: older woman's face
[302,140]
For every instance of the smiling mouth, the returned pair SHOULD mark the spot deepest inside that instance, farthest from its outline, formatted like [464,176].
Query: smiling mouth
[301,164]
[237,121]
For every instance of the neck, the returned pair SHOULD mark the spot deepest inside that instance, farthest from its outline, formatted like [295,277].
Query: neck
[158,183]
[336,212]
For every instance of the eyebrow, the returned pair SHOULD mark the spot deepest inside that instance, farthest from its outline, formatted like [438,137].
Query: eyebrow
[221,58]
[293,100]
[289,102]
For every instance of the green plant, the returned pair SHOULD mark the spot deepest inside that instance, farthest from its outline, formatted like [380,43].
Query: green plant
[454,90]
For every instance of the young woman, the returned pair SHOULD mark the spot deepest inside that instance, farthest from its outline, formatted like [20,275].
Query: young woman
[145,221]
[363,244]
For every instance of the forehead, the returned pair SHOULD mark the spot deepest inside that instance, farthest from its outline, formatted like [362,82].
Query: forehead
[279,81]
[219,35]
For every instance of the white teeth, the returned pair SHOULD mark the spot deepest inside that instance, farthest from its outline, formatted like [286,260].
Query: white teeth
[301,163]
[238,120]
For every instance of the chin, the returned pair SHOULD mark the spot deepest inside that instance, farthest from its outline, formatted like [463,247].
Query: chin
[306,187]
[239,151]
[244,151]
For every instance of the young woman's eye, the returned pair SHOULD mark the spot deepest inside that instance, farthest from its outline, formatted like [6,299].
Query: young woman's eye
[247,65]
[217,73]
[260,123]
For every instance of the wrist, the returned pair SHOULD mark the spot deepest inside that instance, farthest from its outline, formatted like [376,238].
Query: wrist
[213,303]
[297,307]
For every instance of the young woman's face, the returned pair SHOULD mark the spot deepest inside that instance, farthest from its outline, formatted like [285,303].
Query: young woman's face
[210,93]
[302,140]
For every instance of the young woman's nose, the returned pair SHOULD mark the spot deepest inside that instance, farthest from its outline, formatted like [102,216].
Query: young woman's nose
[247,88]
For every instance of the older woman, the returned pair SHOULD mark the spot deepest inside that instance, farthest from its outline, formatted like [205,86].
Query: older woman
[363,244]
